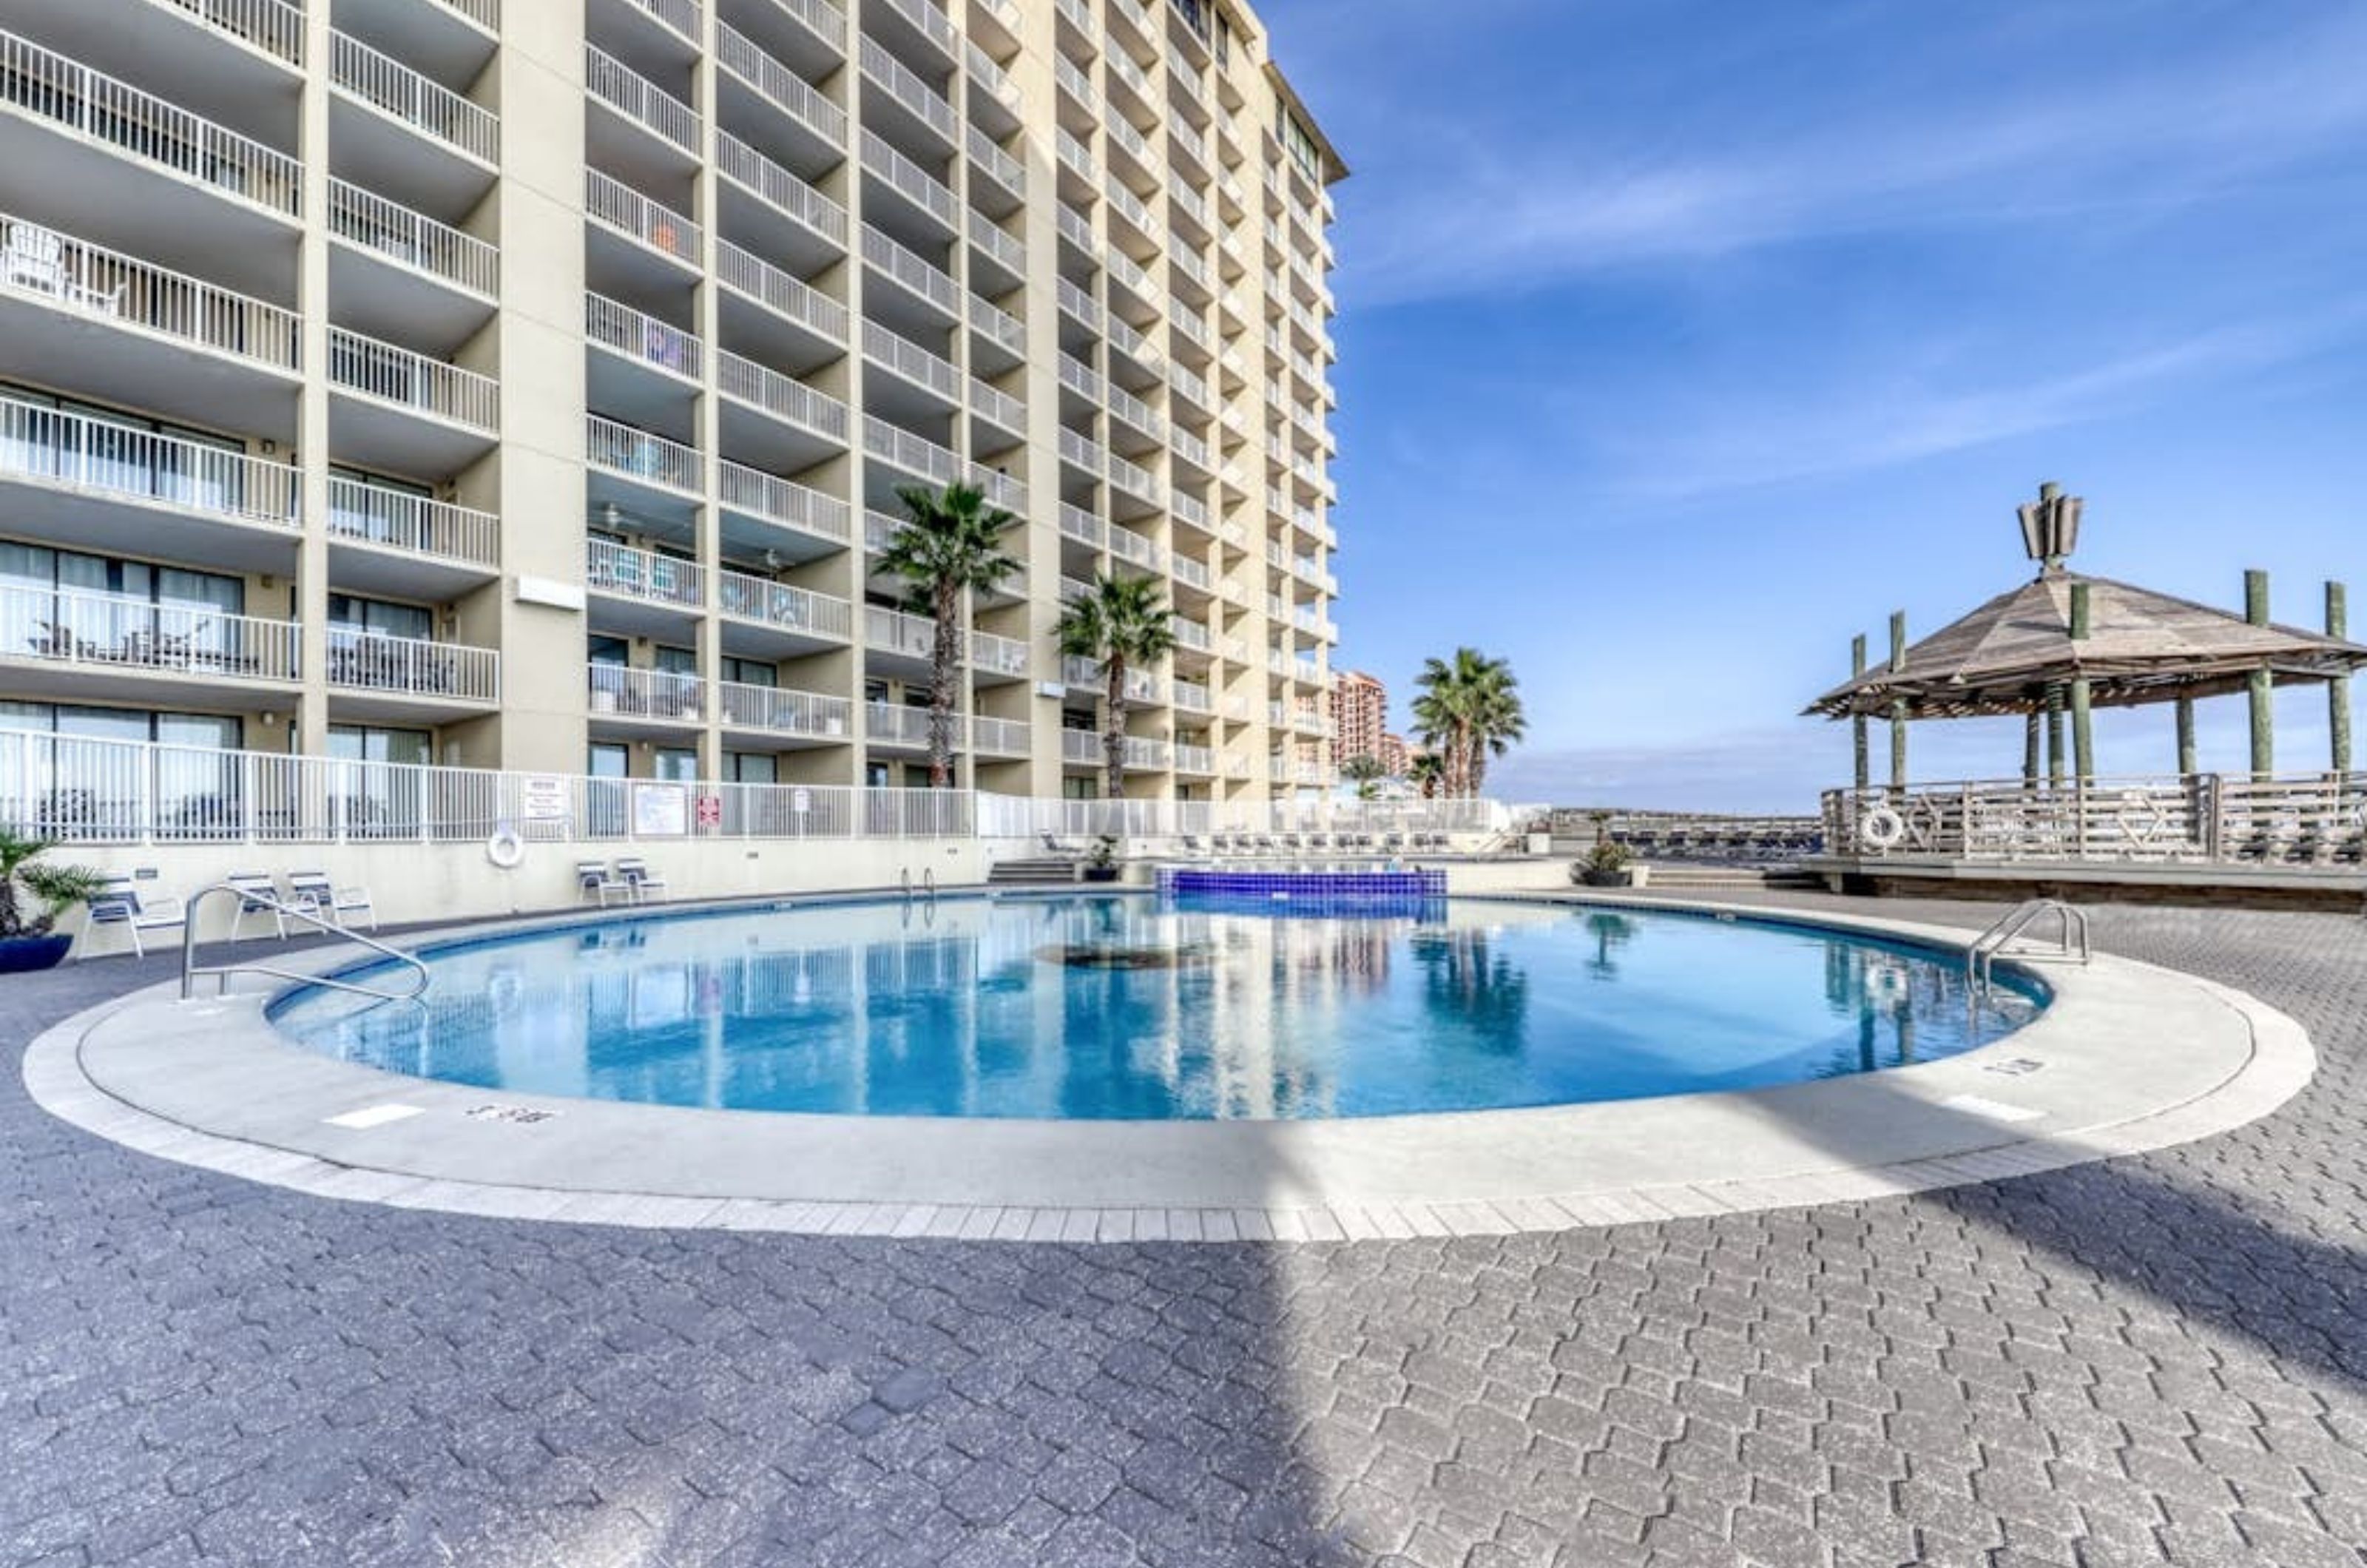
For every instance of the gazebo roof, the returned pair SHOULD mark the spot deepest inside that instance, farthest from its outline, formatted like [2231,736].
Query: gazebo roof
[2142,647]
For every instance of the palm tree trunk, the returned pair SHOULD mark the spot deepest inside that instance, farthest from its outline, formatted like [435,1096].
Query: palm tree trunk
[1114,730]
[944,659]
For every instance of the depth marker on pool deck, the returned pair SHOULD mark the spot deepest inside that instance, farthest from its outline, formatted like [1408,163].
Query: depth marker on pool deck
[371,1116]
[1974,1105]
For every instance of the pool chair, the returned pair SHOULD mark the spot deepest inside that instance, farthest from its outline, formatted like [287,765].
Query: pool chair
[593,880]
[1053,846]
[1191,843]
[257,899]
[119,904]
[639,884]
[312,892]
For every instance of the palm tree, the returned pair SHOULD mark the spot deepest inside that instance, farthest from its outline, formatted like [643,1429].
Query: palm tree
[1118,624]
[949,544]
[1427,774]
[1469,709]
[1365,773]
[54,889]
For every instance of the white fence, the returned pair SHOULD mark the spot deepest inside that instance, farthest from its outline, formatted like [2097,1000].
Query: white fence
[2294,821]
[115,792]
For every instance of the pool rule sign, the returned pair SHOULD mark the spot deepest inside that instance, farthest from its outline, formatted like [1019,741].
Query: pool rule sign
[542,798]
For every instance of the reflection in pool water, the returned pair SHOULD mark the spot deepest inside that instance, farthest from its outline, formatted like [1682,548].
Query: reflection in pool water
[977,1008]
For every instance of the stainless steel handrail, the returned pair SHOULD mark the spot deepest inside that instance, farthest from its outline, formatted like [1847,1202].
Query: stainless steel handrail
[191,971]
[1980,958]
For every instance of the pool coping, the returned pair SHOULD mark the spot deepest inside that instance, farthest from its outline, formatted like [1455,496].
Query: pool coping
[2129,1057]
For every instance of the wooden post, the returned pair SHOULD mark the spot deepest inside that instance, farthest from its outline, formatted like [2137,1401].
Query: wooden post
[1857,722]
[2337,691]
[2055,735]
[2186,765]
[2083,738]
[1898,705]
[2031,741]
[2264,692]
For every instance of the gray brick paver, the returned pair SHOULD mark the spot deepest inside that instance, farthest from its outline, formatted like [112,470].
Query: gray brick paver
[2157,1358]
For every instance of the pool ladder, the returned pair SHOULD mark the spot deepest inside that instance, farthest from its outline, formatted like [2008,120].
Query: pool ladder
[1980,958]
[252,899]
[927,886]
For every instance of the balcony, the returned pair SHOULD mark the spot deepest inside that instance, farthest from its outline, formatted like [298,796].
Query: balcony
[643,593]
[642,459]
[648,372]
[765,511]
[998,339]
[795,324]
[622,696]
[396,271]
[930,385]
[773,711]
[927,202]
[103,158]
[105,645]
[638,241]
[660,133]
[94,485]
[1007,173]
[1082,748]
[758,89]
[999,259]
[404,412]
[921,115]
[777,619]
[790,422]
[395,542]
[143,335]
[776,209]
[405,678]
[396,131]
[1197,760]
[999,737]
[902,727]
[921,30]
[907,642]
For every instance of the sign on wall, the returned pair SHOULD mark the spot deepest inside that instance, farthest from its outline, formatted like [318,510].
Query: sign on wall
[661,811]
[542,798]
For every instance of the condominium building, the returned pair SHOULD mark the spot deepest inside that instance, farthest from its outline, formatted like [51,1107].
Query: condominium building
[1360,712]
[527,383]
[1396,756]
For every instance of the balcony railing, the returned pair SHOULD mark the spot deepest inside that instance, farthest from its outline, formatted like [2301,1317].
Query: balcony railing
[396,89]
[640,455]
[638,100]
[783,712]
[1081,746]
[53,89]
[999,326]
[109,285]
[777,605]
[906,88]
[641,337]
[997,243]
[999,165]
[932,23]
[907,451]
[999,655]
[272,26]
[415,239]
[425,385]
[784,88]
[364,661]
[912,361]
[120,632]
[768,389]
[682,16]
[776,185]
[1194,760]
[401,521]
[612,567]
[909,180]
[899,725]
[53,448]
[892,631]
[1003,736]
[646,694]
[627,210]
[932,283]
[997,408]
[801,302]
[776,500]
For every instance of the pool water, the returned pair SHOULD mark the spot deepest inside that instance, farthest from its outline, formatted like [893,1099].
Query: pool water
[1125,1007]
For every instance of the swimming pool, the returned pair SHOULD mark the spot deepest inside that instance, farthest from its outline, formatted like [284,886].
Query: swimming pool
[1123,1008]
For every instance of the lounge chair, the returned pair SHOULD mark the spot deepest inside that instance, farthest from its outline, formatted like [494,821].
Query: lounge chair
[593,880]
[121,904]
[259,897]
[1053,846]
[312,892]
[635,875]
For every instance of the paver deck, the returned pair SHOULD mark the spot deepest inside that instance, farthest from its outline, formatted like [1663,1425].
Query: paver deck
[2153,1358]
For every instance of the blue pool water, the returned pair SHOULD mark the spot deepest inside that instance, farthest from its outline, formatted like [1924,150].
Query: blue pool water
[1126,1008]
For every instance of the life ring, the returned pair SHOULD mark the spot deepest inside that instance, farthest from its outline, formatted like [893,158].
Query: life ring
[505,849]
[1881,828]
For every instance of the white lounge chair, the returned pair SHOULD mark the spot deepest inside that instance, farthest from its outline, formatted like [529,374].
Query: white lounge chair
[312,892]
[593,880]
[640,886]
[122,904]
[257,897]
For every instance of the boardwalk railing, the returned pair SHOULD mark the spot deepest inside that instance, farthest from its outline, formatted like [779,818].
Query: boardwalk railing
[2298,820]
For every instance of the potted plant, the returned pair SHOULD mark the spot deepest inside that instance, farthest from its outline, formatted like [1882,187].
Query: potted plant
[1100,860]
[27,942]
[1607,864]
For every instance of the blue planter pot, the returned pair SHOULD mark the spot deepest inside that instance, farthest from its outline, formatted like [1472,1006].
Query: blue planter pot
[23,954]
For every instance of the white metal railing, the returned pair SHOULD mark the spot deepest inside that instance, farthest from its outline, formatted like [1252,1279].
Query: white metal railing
[1082,378]
[779,188]
[612,567]
[621,207]
[1130,545]
[389,229]
[682,16]
[121,792]
[1148,754]
[1075,227]
[1190,571]
[1189,509]
[1192,635]
[931,282]
[907,451]
[1079,304]
[1192,696]
[364,662]
[393,375]
[897,724]
[768,389]
[109,285]
[396,89]
[797,302]
[1084,451]
[777,84]
[893,631]
[1073,588]
[826,21]
[272,26]
[909,180]
[988,74]
[638,335]
[932,22]
[646,694]
[1075,155]
[910,360]
[1194,760]
[1134,478]
[997,408]
[1137,413]
[1003,736]
[903,84]
[999,165]
[776,500]
[56,449]
[638,100]
[1125,339]
[997,655]
[56,90]
[1077,523]
[752,598]
[784,711]
[57,626]
[1124,270]
[1000,326]
[399,520]
[1072,80]
[620,448]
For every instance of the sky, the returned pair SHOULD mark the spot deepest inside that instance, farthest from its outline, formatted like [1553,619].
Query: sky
[1683,339]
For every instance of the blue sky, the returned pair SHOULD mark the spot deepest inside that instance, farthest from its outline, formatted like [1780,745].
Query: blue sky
[1682,338]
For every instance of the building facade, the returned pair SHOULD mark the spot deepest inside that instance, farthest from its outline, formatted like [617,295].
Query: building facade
[1360,713]
[527,383]
[1397,757]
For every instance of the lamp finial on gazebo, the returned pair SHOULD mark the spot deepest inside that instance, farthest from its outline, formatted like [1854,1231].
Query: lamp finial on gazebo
[2050,527]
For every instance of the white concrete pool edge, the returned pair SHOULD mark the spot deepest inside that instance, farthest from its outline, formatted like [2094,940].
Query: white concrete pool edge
[2130,1058]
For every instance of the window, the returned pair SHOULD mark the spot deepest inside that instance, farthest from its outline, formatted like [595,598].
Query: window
[608,651]
[677,764]
[751,768]
[752,671]
[1299,144]
[378,617]
[677,660]
[383,791]
[111,450]
[368,506]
